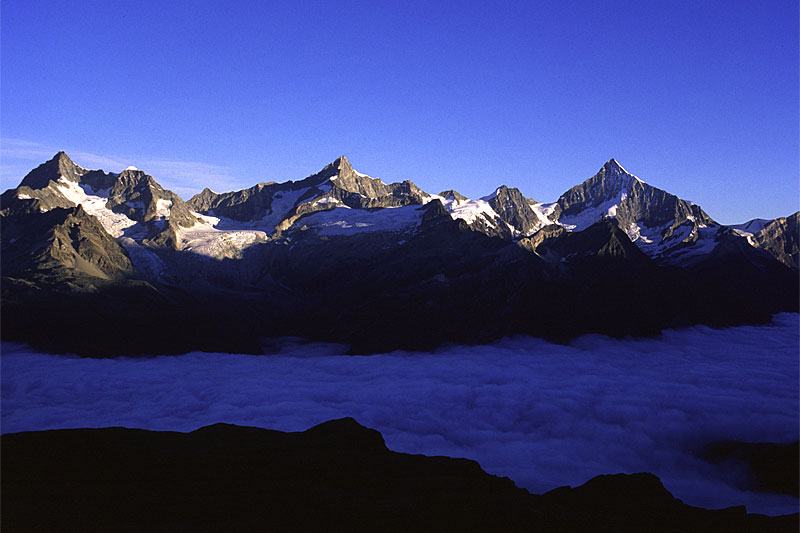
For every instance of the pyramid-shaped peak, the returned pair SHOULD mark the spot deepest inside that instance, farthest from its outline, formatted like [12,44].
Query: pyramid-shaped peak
[62,157]
[614,166]
[60,165]
[342,162]
[341,165]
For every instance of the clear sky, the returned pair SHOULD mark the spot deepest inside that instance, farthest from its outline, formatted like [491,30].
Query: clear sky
[697,97]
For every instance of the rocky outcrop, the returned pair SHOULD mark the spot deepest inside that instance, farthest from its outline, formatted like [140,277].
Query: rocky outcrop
[140,198]
[62,243]
[337,476]
[781,239]
[514,209]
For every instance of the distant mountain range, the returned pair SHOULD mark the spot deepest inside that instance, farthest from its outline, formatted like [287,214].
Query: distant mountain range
[104,263]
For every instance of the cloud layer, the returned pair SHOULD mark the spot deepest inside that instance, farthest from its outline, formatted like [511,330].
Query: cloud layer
[545,415]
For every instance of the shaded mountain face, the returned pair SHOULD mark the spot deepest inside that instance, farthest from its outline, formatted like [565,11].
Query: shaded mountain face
[64,243]
[345,257]
[336,476]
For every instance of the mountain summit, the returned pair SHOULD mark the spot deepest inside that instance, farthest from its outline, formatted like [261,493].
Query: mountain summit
[342,256]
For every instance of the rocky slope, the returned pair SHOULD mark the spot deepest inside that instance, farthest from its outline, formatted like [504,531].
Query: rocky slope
[337,476]
[781,239]
[344,257]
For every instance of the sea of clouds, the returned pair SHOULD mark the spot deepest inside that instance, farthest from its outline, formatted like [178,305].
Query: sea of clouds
[543,414]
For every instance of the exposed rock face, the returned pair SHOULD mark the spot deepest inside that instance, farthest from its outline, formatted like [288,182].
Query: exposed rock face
[603,239]
[118,201]
[336,476]
[660,223]
[279,205]
[59,165]
[140,198]
[514,209]
[781,239]
[637,202]
[340,256]
[63,242]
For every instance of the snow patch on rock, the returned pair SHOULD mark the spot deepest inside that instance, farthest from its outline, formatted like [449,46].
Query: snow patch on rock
[345,221]
[95,204]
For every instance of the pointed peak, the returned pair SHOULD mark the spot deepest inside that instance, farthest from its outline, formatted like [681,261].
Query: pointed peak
[64,163]
[59,166]
[342,164]
[62,157]
[613,165]
[612,168]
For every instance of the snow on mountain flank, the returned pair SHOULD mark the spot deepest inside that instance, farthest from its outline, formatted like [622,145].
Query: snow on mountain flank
[163,207]
[327,200]
[543,213]
[281,206]
[590,215]
[346,221]
[468,210]
[95,204]
[748,229]
[205,239]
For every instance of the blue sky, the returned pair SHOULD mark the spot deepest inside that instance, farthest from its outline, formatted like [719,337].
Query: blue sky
[696,97]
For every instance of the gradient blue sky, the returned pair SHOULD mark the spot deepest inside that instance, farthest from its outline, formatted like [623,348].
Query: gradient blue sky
[696,97]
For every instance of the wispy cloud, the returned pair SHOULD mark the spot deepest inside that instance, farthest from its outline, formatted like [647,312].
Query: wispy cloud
[18,157]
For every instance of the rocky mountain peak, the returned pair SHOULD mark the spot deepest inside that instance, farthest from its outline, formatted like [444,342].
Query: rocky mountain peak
[339,168]
[612,165]
[342,163]
[453,194]
[62,158]
[614,175]
[57,167]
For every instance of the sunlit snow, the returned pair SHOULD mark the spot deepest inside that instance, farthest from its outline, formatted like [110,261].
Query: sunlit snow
[469,210]
[163,207]
[345,221]
[95,204]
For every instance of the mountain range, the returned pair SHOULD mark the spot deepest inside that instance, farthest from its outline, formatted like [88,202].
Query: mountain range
[114,263]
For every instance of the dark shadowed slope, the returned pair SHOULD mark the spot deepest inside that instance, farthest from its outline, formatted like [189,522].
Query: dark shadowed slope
[337,476]
[340,256]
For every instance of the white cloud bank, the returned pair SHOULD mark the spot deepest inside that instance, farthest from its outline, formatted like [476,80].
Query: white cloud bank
[545,415]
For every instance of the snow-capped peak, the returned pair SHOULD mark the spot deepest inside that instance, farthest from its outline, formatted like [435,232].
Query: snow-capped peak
[613,167]
[131,168]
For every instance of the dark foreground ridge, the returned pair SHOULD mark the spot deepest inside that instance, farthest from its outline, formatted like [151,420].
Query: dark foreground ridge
[337,476]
